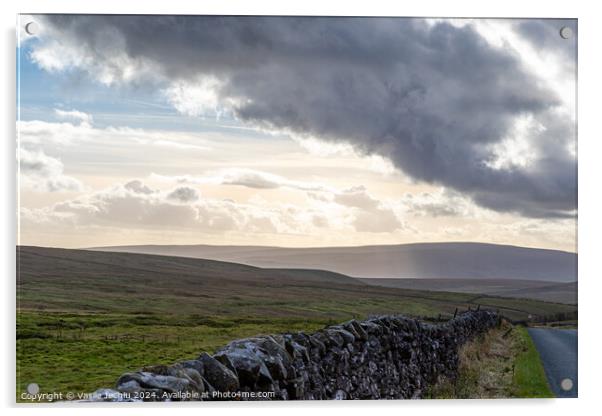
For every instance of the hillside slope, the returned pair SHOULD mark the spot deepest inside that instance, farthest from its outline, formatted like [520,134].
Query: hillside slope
[425,260]
[99,314]
[526,289]
[53,279]
[42,261]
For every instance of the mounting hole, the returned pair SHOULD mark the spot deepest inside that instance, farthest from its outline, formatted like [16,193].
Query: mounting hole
[566,32]
[33,388]
[566,384]
[31,28]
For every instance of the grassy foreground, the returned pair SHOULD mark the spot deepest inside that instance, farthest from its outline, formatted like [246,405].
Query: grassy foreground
[84,317]
[500,364]
[529,375]
[90,351]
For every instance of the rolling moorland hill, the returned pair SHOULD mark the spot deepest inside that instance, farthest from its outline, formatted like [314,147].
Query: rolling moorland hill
[80,280]
[511,288]
[85,317]
[421,261]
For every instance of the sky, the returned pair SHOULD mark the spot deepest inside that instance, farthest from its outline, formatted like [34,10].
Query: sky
[296,132]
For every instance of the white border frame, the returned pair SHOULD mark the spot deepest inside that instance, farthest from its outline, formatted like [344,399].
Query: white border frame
[589,185]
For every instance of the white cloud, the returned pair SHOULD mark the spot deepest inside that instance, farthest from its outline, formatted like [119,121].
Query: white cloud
[546,59]
[41,172]
[557,233]
[134,205]
[56,53]
[324,149]
[353,206]
[184,194]
[195,99]
[357,197]
[284,82]
[52,134]
[439,203]
[74,115]
[516,151]
[138,187]
[381,220]
[264,180]
[370,214]
[249,178]
[137,206]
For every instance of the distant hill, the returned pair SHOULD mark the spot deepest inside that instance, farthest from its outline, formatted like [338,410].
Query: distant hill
[43,261]
[58,280]
[423,260]
[526,289]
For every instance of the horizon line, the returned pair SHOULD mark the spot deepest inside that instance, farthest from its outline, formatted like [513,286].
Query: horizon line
[303,247]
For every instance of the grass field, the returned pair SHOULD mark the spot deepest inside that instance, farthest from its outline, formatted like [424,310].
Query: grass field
[529,376]
[73,359]
[84,318]
[500,364]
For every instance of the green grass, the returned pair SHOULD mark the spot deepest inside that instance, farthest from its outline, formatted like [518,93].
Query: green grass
[91,282]
[529,375]
[84,318]
[500,364]
[484,371]
[55,352]
[83,351]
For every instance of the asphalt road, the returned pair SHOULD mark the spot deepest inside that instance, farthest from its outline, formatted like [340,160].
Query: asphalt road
[558,351]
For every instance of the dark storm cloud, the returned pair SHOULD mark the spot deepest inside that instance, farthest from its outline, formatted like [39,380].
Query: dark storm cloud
[544,34]
[432,98]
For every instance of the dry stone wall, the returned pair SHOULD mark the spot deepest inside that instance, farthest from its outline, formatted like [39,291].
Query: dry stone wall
[386,357]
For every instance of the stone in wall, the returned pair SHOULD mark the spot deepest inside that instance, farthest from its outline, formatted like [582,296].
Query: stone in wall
[385,357]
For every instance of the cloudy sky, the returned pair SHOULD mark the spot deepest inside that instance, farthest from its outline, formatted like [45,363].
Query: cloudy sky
[296,131]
